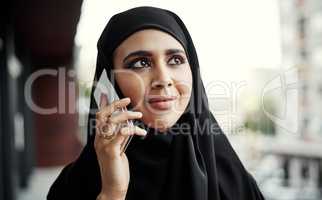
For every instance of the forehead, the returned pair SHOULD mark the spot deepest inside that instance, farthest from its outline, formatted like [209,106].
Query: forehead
[149,40]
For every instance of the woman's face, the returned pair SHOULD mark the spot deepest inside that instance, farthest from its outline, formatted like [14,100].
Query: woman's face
[151,67]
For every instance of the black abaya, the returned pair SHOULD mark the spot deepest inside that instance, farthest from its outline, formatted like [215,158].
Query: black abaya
[197,163]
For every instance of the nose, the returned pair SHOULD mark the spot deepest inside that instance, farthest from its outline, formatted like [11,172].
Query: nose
[162,78]
[161,84]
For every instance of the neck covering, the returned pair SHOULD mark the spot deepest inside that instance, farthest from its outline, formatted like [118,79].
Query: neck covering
[196,164]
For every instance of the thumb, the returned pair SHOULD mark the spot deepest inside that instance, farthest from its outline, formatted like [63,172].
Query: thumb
[103,100]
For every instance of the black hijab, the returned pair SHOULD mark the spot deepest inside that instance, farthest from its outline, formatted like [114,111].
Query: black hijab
[196,162]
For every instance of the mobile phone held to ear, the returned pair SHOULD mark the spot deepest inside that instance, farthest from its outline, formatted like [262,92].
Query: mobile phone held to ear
[105,87]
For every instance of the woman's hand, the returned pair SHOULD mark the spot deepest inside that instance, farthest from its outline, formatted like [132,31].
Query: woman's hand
[114,166]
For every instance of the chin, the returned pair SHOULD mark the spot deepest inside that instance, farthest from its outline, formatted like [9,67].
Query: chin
[161,123]
[157,119]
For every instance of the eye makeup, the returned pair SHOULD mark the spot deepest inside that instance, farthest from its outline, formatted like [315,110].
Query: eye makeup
[140,60]
[181,59]
[145,62]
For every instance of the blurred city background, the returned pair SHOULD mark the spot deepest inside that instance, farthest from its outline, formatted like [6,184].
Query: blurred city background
[261,63]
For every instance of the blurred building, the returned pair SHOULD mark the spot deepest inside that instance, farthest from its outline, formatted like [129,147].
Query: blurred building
[299,142]
[36,41]
[301,25]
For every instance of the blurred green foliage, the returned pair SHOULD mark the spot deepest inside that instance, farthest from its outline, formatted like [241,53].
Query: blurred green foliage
[257,121]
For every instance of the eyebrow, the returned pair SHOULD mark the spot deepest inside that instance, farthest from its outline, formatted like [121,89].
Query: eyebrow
[148,53]
[173,51]
[137,53]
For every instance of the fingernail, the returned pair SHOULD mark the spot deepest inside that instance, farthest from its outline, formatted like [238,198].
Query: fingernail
[144,136]
[137,113]
[103,100]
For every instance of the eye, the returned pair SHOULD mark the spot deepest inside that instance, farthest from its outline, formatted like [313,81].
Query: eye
[139,63]
[176,60]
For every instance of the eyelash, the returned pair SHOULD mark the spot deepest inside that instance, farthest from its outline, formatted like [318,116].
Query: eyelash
[130,65]
[182,59]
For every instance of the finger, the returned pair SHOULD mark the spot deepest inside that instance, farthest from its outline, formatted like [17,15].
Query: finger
[123,116]
[132,130]
[108,128]
[99,140]
[108,110]
[103,100]
[127,131]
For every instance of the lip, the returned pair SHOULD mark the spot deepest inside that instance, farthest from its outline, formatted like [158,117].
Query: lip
[161,102]
[161,98]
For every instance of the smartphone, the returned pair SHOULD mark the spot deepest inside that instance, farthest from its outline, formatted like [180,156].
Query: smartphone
[104,86]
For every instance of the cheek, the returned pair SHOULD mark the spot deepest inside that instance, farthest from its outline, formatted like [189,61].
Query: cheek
[184,90]
[133,87]
[184,84]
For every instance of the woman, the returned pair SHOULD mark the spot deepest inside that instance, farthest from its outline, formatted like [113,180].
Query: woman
[184,154]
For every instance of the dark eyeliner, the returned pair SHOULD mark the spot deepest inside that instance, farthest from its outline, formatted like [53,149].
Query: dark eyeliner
[181,58]
[130,64]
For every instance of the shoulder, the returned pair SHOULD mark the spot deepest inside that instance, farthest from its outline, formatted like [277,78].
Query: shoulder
[80,178]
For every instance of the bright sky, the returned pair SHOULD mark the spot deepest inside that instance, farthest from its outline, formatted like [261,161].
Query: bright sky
[231,37]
